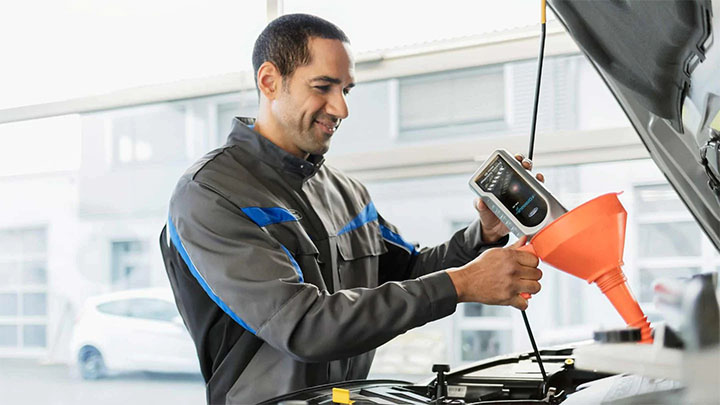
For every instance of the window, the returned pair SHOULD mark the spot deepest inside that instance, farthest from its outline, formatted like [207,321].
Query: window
[452,103]
[153,135]
[482,344]
[246,106]
[669,239]
[130,265]
[670,244]
[225,114]
[481,331]
[472,310]
[649,275]
[23,291]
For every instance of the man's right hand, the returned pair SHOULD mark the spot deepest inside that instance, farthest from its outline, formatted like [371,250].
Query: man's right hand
[498,276]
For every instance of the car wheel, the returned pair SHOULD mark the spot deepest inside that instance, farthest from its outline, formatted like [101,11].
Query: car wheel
[91,363]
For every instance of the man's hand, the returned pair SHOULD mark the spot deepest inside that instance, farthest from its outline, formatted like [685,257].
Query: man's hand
[492,228]
[498,276]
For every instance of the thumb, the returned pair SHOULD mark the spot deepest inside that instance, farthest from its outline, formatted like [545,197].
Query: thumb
[520,242]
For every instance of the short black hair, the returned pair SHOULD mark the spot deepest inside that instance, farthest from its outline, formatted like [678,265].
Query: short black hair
[284,42]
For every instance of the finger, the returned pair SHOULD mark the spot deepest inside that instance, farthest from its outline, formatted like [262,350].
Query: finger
[527,163]
[529,273]
[528,286]
[519,302]
[525,258]
[540,177]
[519,243]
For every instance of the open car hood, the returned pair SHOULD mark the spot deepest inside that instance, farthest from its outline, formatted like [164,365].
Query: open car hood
[662,63]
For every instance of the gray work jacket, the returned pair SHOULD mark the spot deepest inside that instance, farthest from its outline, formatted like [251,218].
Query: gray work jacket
[285,274]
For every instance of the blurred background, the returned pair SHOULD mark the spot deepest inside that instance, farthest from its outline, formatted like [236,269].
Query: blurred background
[104,104]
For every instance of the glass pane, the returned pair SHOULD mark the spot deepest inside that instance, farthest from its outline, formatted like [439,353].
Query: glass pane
[455,98]
[33,241]
[10,242]
[10,273]
[8,304]
[648,276]
[247,107]
[225,114]
[34,273]
[157,310]
[34,336]
[669,239]
[34,304]
[8,335]
[475,310]
[658,198]
[130,268]
[118,308]
[482,344]
[151,136]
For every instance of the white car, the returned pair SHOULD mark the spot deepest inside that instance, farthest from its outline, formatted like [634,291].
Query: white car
[132,330]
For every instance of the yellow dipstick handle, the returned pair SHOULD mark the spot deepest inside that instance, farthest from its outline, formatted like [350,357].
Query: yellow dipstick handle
[341,396]
[542,12]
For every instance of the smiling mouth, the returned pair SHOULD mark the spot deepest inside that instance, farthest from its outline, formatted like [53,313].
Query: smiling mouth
[328,128]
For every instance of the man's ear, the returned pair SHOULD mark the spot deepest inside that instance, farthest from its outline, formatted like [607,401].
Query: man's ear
[269,80]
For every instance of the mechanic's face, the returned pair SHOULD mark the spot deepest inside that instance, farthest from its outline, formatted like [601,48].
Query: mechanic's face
[312,103]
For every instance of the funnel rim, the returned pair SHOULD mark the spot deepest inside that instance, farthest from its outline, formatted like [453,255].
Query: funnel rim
[558,219]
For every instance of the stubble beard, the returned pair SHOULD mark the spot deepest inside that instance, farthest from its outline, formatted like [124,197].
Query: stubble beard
[306,139]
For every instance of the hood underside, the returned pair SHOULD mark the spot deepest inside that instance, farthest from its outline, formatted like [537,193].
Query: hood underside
[659,59]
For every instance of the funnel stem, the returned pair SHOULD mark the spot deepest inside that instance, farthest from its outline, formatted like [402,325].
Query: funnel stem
[613,284]
[534,346]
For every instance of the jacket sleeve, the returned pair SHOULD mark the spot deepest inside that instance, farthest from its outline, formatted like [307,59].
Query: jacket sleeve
[403,261]
[258,283]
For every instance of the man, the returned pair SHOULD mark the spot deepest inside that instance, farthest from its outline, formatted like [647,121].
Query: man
[284,273]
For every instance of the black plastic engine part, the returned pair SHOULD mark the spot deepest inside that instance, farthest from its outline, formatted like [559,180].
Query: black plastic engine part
[626,335]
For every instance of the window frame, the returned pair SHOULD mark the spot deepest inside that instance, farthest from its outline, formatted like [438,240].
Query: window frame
[19,320]
[146,261]
[464,323]
[112,139]
[707,261]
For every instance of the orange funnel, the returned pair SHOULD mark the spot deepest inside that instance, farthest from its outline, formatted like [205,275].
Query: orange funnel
[588,242]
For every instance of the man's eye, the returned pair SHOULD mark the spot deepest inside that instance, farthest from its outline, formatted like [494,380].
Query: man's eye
[323,89]
[346,91]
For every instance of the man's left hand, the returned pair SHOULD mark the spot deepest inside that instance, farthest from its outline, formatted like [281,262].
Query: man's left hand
[492,228]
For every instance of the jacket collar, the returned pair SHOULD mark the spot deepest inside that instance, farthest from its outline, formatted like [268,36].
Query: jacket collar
[243,133]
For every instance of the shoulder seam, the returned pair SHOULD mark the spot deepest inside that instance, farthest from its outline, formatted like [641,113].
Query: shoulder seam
[222,150]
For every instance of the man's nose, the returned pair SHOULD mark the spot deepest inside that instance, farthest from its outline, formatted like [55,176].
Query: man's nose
[337,105]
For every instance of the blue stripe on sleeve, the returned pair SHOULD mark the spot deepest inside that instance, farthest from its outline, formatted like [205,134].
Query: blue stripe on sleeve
[294,263]
[368,214]
[397,240]
[274,215]
[264,216]
[186,257]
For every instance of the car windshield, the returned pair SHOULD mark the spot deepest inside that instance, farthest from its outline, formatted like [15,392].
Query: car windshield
[141,308]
